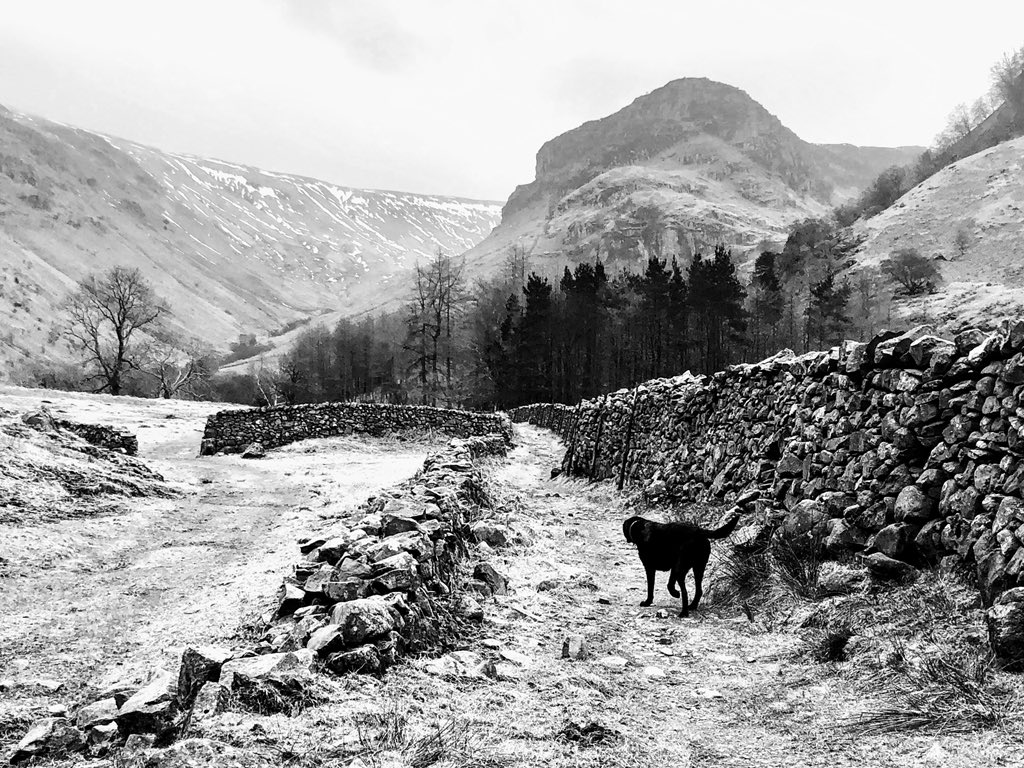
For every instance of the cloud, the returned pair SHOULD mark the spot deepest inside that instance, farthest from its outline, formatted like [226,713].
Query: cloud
[371,33]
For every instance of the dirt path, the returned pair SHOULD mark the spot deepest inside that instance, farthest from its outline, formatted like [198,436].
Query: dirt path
[711,690]
[114,595]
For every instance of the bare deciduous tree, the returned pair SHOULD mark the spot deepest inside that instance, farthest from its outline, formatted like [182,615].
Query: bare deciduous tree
[179,368]
[1008,82]
[103,320]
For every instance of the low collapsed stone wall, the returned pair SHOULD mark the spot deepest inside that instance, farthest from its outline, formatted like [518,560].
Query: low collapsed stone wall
[233,431]
[405,577]
[111,438]
[909,447]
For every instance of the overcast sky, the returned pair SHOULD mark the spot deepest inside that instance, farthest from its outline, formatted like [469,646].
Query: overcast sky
[456,96]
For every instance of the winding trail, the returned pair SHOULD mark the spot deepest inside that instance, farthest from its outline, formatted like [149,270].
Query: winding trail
[711,690]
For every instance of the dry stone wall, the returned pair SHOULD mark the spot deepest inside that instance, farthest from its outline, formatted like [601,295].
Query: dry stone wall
[406,576]
[111,438]
[911,446]
[232,431]
[365,593]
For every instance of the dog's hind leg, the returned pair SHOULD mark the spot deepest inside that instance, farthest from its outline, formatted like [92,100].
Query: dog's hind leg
[680,574]
[650,585]
[698,578]
[672,583]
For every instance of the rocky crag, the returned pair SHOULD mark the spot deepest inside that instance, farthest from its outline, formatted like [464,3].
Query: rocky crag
[908,449]
[690,165]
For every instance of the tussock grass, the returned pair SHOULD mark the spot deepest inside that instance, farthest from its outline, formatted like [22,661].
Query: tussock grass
[828,644]
[796,565]
[454,742]
[740,576]
[946,692]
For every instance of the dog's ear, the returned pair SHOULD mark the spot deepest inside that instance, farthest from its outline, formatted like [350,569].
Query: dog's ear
[626,525]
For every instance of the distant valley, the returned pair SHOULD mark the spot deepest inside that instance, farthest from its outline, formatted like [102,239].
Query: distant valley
[232,249]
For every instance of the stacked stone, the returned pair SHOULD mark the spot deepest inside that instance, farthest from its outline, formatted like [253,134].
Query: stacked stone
[366,593]
[233,431]
[359,598]
[557,417]
[909,446]
[111,438]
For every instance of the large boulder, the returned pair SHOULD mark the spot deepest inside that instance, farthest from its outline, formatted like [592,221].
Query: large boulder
[807,519]
[153,708]
[270,667]
[97,713]
[844,537]
[894,540]
[52,737]
[1006,627]
[496,582]
[913,505]
[199,666]
[360,621]
[885,568]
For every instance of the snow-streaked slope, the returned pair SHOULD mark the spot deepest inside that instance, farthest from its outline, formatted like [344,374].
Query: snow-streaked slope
[984,195]
[232,249]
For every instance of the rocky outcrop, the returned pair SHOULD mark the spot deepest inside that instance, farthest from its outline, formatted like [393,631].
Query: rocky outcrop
[235,430]
[909,447]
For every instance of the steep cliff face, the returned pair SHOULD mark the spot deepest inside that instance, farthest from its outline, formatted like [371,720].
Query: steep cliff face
[232,249]
[685,167]
[690,122]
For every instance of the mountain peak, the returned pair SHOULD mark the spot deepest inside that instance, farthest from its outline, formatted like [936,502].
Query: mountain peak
[690,164]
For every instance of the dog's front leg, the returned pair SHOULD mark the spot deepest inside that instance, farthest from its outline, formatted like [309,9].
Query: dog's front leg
[650,586]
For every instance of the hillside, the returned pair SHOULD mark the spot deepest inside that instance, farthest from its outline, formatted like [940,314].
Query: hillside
[232,249]
[984,195]
[691,164]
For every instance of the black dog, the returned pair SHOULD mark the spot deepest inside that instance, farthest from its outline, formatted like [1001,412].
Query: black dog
[674,547]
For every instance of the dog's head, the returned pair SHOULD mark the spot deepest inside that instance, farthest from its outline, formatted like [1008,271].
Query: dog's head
[627,524]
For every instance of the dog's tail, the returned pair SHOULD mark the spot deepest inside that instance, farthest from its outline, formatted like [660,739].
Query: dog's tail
[723,531]
[629,524]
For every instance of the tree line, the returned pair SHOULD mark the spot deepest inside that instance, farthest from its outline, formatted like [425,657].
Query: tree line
[520,336]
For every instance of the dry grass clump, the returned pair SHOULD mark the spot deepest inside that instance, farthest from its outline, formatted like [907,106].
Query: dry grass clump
[796,565]
[828,644]
[949,691]
[740,576]
[272,697]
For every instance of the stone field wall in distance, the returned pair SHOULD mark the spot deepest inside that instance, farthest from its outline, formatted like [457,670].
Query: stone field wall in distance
[232,431]
[909,446]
